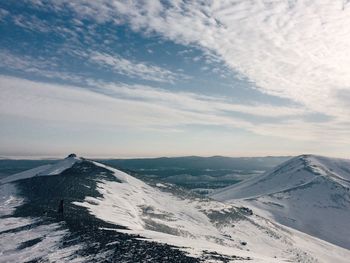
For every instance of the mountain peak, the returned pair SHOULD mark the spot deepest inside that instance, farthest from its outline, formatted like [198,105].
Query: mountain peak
[44,170]
[302,193]
[296,172]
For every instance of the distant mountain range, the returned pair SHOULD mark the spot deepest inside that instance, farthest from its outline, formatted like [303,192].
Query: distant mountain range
[198,173]
[192,172]
[187,162]
[79,210]
[196,162]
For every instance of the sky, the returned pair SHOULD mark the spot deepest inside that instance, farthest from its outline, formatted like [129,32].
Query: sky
[108,78]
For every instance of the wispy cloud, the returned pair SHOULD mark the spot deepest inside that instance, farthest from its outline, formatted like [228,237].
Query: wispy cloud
[186,101]
[48,68]
[3,13]
[193,102]
[298,50]
[147,108]
[74,104]
[31,23]
[40,67]
[136,69]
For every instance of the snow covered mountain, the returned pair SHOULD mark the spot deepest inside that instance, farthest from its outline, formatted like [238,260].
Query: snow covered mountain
[111,216]
[309,193]
[44,170]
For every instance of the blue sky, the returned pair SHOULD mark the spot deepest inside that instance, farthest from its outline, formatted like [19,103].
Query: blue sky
[155,78]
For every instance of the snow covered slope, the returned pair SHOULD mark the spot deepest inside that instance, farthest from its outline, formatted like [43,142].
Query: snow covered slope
[197,224]
[309,193]
[44,170]
[27,239]
[112,216]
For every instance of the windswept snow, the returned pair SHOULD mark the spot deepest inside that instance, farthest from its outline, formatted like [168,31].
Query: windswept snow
[308,193]
[44,170]
[210,230]
[24,239]
[196,224]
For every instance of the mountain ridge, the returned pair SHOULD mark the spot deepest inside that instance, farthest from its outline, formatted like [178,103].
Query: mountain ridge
[309,193]
[109,214]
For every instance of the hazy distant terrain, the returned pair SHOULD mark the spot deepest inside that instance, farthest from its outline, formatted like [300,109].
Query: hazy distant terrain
[191,172]
[195,172]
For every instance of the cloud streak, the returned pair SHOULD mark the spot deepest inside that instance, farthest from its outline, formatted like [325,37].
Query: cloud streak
[142,108]
[39,67]
[133,69]
[297,50]
[293,49]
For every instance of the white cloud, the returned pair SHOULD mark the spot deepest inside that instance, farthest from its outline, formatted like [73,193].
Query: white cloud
[294,49]
[200,103]
[49,69]
[50,102]
[143,108]
[39,66]
[3,14]
[182,100]
[130,68]
[31,23]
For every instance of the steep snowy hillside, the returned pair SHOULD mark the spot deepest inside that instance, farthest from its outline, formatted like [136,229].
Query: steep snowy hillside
[308,193]
[109,215]
[44,170]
